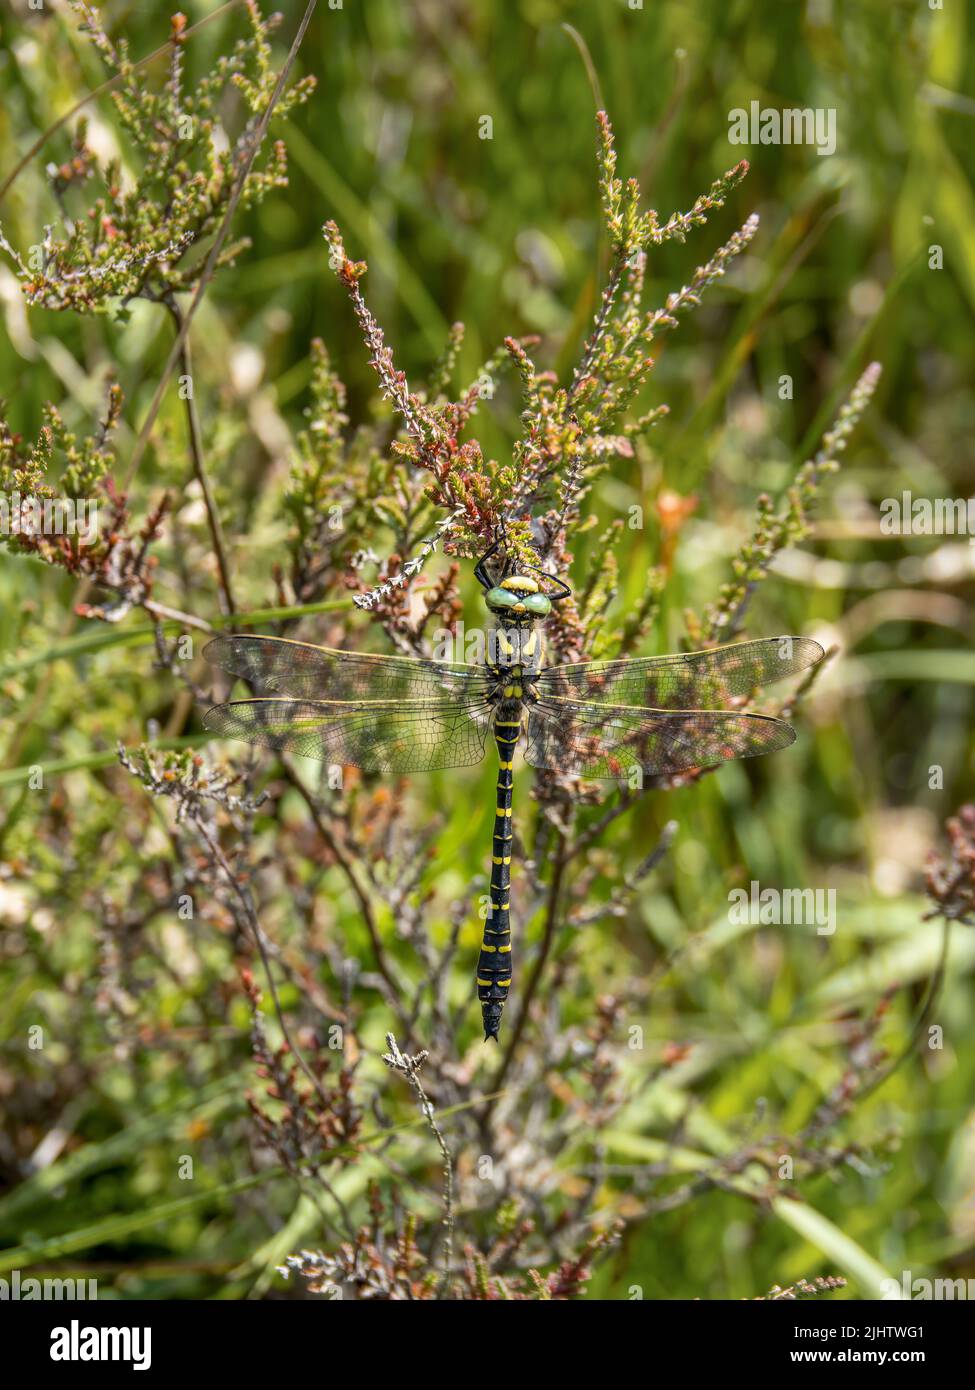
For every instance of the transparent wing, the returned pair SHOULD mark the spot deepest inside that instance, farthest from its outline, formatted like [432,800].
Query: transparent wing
[593,740]
[278,666]
[705,680]
[381,736]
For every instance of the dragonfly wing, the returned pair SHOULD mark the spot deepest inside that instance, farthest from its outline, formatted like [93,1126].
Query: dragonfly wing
[587,739]
[380,736]
[279,666]
[707,680]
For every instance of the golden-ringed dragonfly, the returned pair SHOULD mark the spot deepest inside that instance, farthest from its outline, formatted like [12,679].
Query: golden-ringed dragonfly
[625,719]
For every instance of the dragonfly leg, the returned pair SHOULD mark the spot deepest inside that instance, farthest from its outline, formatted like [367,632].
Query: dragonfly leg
[481,573]
[564,589]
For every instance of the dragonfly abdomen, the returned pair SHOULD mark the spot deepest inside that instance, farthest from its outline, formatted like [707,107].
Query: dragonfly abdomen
[494,961]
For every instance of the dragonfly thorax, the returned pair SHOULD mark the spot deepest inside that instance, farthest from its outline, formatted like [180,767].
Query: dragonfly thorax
[515,642]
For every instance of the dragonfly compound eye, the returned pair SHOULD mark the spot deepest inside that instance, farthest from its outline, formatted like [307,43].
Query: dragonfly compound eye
[501,598]
[539,604]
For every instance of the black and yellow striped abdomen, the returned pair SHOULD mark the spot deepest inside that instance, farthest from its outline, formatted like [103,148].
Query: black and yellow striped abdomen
[494,962]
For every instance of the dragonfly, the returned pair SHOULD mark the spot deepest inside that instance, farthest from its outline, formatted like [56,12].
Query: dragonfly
[628,718]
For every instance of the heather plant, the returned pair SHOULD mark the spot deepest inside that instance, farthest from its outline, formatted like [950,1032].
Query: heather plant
[140,236]
[279,955]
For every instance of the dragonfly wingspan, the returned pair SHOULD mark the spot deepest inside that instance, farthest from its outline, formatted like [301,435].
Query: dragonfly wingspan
[587,739]
[379,736]
[705,680]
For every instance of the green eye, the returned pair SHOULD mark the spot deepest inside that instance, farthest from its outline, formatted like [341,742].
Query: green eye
[538,603]
[500,598]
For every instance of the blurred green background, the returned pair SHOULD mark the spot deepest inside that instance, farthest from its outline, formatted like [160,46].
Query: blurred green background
[505,235]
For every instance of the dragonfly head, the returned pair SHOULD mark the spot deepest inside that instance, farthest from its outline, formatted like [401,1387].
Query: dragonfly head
[518,595]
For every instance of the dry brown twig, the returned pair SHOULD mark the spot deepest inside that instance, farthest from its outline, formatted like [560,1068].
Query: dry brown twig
[410,1066]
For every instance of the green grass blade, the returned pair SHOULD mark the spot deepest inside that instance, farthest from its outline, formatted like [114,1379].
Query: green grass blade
[126,1224]
[844,1252]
